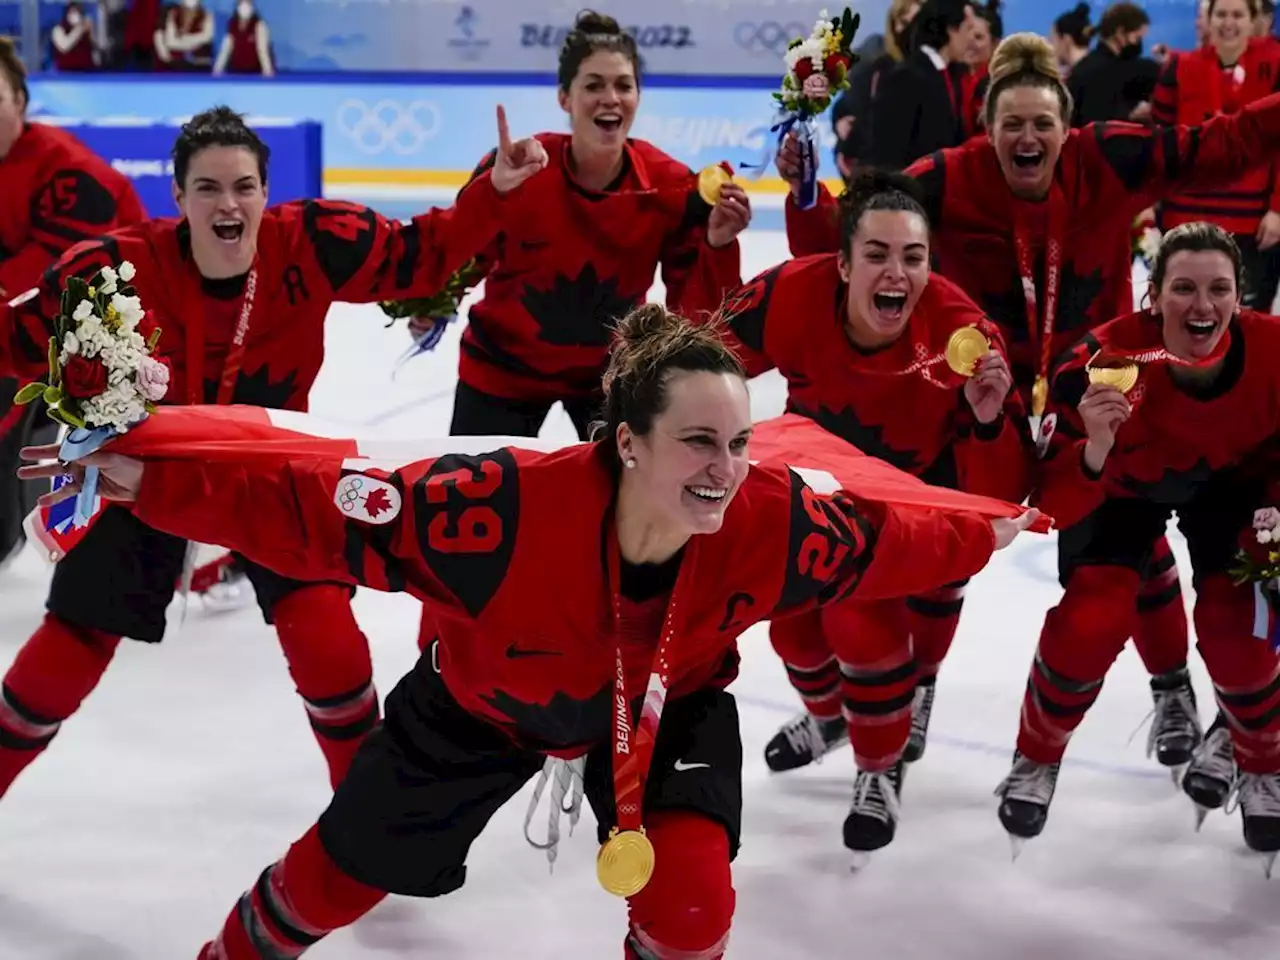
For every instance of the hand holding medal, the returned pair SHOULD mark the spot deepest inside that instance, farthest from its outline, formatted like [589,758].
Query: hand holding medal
[969,354]
[1104,406]
[729,203]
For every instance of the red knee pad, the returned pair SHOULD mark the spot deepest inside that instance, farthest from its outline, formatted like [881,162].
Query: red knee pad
[58,667]
[327,652]
[685,911]
[799,640]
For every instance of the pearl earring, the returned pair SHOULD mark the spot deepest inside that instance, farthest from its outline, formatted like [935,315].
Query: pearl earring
[630,463]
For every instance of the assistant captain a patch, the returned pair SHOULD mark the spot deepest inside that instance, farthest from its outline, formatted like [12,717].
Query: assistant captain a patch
[367,499]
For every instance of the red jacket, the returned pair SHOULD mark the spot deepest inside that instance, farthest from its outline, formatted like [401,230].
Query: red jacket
[1108,173]
[311,254]
[792,317]
[488,544]
[1195,87]
[570,263]
[56,193]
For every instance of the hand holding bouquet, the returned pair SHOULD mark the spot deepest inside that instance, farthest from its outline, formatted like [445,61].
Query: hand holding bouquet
[1258,563]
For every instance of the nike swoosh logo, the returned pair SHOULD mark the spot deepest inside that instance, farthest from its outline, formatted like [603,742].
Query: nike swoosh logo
[681,765]
[515,653]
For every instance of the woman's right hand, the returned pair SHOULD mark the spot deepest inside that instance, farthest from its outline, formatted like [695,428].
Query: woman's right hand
[1103,409]
[119,477]
[1006,531]
[788,162]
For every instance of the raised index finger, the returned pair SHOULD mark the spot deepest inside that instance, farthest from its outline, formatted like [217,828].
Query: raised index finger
[504,134]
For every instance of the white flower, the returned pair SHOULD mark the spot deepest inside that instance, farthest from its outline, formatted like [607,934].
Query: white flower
[70,344]
[84,310]
[108,285]
[127,272]
[129,309]
[1265,536]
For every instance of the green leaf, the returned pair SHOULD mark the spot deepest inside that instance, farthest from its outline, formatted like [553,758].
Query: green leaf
[52,395]
[29,393]
[68,415]
[55,372]
[153,340]
[78,290]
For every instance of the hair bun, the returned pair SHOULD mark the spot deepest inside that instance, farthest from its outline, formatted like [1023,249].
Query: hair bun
[1024,53]
[871,182]
[646,322]
[598,24]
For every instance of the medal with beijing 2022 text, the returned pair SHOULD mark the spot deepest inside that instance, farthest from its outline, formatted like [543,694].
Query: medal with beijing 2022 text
[626,861]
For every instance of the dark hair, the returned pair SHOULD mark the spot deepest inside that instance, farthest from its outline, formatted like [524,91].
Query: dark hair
[14,70]
[1024,60]
[593,32]
[1252,6]
[931,25]
[1121,16]
[877,190]
[1075,25]
[650,344]
[219,127]
[990,12]
[1197,237]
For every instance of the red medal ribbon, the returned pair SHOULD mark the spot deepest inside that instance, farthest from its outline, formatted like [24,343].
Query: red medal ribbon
[1037,322]
[633,745]
[235,351]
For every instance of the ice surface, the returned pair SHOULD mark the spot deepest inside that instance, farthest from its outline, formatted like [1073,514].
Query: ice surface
[192,767]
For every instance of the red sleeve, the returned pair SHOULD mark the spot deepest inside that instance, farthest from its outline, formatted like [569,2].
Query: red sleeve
[746,314]
[843,545]
[1164,99]
[68,207]
[1067,489]
[697,275]
[416,529]
[1140,165]
[816,230]
[363,257]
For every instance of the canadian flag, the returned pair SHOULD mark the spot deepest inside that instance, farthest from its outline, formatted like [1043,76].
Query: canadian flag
[252,434]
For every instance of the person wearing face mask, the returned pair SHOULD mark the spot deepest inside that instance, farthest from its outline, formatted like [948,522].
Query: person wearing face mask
[1114,81]
[184,40]
[240,292]
[56,193]
[613,675]
[1033,223]
[247,46]
[1158,413]
[73,41]
[1235,68]
[862,338]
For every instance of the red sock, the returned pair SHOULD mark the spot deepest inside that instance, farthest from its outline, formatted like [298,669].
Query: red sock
[1160,635]
[686,909]
[811,664]
[328,658]
[53,673]
[932,620]
[295,903]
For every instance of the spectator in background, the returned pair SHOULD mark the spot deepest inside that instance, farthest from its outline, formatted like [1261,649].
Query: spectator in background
[1114,81]
[876,58]
[72,41]
[247,46]
[1070,36]
[185,38]
[918,107]
[1264,23]
[142,26]
[1202,24]
[988,30]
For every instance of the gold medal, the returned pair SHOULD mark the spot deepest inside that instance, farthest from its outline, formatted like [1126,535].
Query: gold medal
[964,349]
[1039,396]
[710,180]
[625,862]
[1121,375]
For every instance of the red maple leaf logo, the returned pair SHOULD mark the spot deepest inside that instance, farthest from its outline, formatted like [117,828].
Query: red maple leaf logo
[377,502]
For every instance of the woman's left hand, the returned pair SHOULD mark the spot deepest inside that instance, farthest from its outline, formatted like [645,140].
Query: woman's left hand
[119,477]
[987,389]
[729,217]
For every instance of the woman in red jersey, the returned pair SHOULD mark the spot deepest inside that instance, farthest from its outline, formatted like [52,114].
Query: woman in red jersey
[554,625]
[1233,69]
[578,253]
[862,338]
[1156,413]
[1033,223]
[56,193]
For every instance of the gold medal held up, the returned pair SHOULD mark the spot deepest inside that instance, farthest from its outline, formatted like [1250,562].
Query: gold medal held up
[964,349]
[1121,374]
[710,180]
[625,862]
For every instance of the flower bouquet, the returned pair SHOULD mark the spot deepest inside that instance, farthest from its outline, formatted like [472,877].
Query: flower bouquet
[1257,562]
[442,308]
[103,379]
[817,70]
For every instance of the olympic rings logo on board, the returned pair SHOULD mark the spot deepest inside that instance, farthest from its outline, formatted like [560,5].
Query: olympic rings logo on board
[768,36]
[403,128]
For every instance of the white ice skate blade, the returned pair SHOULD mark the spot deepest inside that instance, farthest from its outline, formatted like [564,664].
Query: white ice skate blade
[1015,847]
[859,861]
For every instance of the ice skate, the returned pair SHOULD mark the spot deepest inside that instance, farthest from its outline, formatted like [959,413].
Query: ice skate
[1209,777]
[1258,797]
[921,710]
[1175,727]
[804,740]
[221,584]
[1025,796]
[873,818]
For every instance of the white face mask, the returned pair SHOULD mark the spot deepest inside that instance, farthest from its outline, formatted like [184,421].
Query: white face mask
[245,11]
[73,18]
[191,4]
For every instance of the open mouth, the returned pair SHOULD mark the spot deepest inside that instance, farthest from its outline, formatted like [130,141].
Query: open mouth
[1201,329]
[707,494]
[609,122]
[228,231]
[890,304]
[1028,159]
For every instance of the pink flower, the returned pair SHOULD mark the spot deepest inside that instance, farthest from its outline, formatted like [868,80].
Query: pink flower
[153,379]
[816,86]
